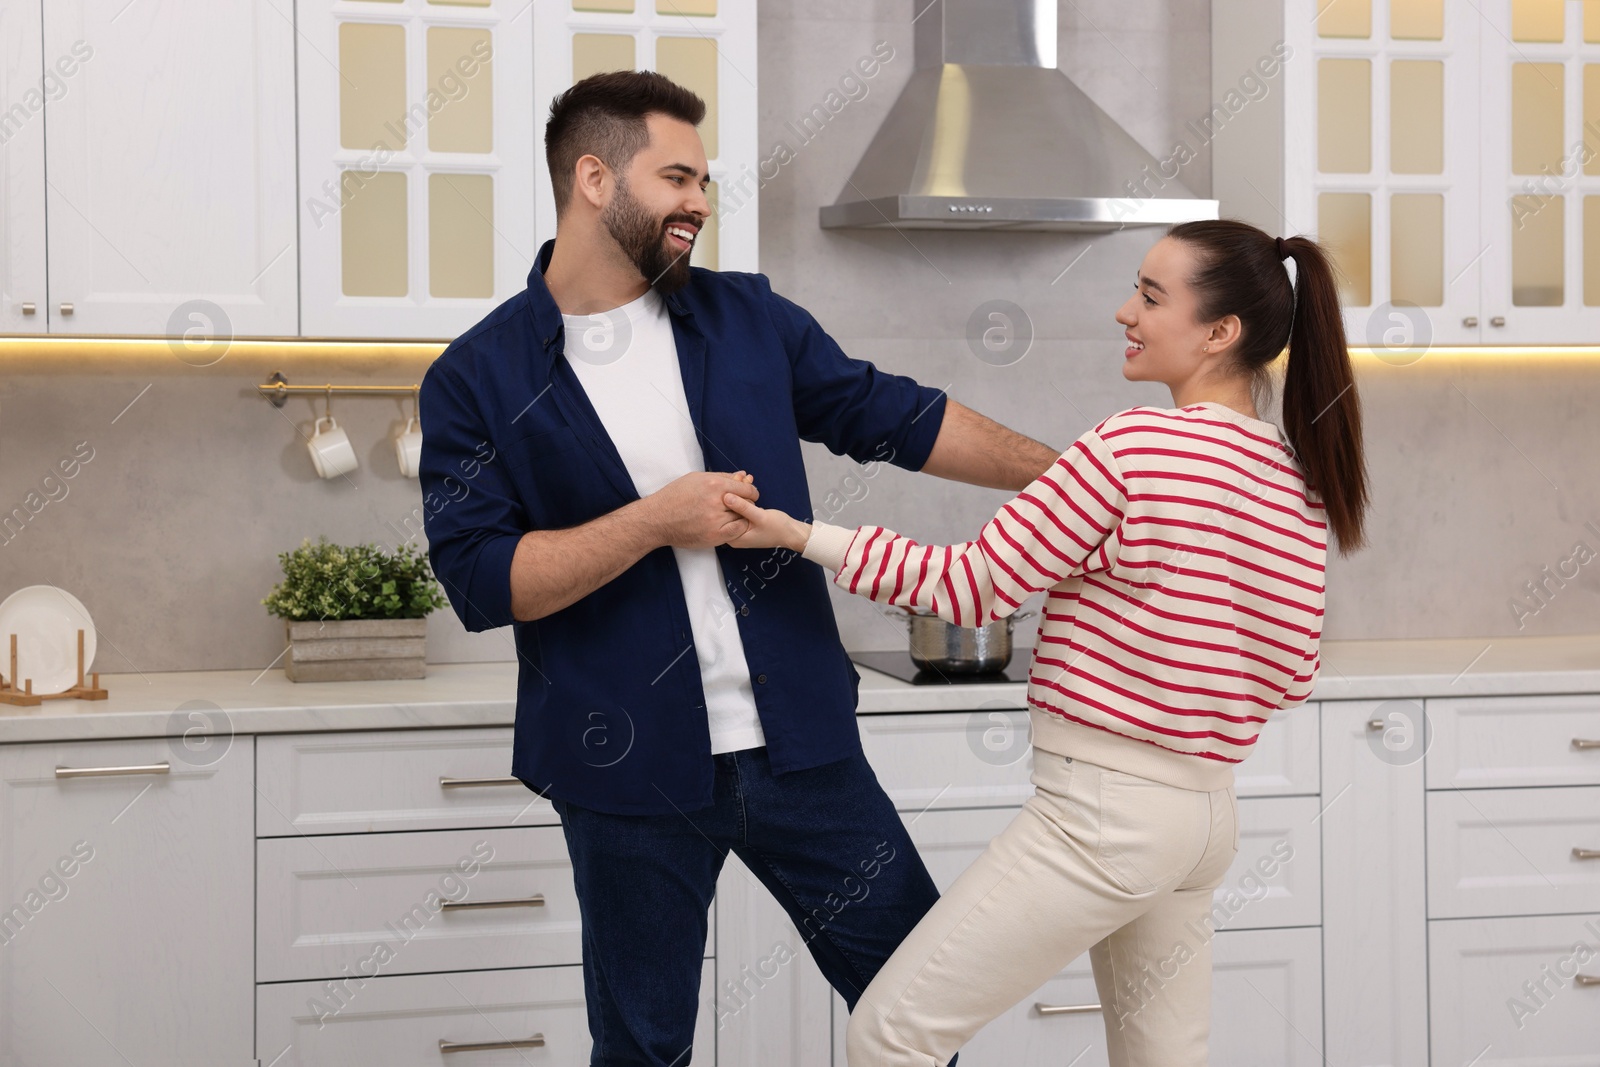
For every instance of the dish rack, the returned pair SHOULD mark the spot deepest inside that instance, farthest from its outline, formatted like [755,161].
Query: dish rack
[26,697]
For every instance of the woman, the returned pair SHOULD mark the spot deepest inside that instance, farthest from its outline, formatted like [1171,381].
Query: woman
[1183,551]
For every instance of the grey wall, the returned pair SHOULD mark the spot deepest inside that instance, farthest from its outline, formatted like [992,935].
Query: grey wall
[1483,473]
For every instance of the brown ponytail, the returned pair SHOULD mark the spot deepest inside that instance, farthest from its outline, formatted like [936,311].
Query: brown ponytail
[1240,271]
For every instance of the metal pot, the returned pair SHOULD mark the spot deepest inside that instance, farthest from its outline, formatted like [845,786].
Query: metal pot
[950,649]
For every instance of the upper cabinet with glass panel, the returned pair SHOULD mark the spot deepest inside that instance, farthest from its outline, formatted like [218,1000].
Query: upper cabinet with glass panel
[1446,154]
[417,145]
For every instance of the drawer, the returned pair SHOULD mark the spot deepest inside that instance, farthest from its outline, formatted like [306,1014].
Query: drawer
[1506,991]
[350,783]
[1266,1010]
[967,759]
[366,904]
[1286,759]
[1514,741]
[1276,879]
[1512,851]
[399,1021]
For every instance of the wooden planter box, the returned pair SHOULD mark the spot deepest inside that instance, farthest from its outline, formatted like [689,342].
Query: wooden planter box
[352,650]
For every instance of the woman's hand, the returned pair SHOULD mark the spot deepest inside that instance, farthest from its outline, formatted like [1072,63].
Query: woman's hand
[769,528]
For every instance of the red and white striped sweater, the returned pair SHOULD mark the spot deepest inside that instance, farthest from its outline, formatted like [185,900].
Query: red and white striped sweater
[1183,554]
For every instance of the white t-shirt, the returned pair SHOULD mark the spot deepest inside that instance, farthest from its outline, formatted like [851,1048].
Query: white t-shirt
[627,362]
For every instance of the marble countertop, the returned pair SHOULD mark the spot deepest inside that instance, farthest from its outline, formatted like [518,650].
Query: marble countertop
[484,694]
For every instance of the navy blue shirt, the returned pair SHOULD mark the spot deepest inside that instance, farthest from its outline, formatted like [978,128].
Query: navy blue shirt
[610,710]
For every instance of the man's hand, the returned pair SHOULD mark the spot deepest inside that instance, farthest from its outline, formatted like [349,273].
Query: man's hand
[768,528]
[689,512]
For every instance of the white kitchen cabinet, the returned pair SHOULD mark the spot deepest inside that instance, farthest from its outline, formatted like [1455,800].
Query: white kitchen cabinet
[450,900]
[772,1005]
[963,759]
[367,780]
[1374,903]
[1482,742]
[22,87]
[1266,998]
[418,129]
[1437,150]
[129,904]
[1276,879]
[527,1016]
[1521,992]
[1513,851]
[170,169]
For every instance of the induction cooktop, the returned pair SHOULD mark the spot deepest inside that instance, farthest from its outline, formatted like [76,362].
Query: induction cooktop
[899,665]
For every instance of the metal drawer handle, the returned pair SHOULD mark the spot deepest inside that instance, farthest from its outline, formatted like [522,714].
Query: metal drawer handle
[1066,1009]
[536,1041]
[66,309]
[1587,979]
[1586,853]
[1583,742]
[535,901]
[28,307]
[456,783]
[98,772]
[1376,724]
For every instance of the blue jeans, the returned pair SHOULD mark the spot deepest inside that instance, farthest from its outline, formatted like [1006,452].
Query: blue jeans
[826,842]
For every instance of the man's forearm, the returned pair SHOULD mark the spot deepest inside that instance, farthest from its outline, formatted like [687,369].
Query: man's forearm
[975,449]
[554,568]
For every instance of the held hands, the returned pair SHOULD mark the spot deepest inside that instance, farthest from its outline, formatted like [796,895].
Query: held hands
[690,512]
[767,528]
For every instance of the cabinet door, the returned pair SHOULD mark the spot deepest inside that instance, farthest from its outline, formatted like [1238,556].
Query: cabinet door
[513,1018]
[772,1005]
[171,169]
[1374,904]
[418,128]
[1519,992]
[1541,171]
[1266,999]
[23,89]
[1381,163]
[126,934]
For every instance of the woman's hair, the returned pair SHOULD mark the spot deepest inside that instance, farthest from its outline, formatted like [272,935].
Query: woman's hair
[1240,271]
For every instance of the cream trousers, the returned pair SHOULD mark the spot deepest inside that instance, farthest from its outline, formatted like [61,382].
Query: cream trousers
[1097,860]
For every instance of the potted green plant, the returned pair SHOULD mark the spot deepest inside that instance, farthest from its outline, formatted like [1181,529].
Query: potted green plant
[354,612]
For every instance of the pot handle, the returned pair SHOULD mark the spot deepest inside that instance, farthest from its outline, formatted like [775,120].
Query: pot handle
[1019,616]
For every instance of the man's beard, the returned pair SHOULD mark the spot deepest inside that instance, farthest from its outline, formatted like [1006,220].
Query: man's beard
[643,239]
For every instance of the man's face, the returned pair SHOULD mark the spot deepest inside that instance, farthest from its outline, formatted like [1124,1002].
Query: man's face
[660,203]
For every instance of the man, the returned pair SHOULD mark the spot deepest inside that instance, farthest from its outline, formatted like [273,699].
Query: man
[571,474]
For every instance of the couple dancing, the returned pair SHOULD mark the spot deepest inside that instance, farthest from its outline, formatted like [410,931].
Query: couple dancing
[1180,546]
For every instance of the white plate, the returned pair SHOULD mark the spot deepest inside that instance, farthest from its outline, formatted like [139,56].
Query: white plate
[46,621]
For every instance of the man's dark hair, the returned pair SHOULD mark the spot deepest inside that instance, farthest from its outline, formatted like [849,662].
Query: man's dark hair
[604,116]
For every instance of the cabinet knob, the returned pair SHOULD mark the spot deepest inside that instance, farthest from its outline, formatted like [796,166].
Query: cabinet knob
[1498,320]
[1375,724]
[1470,322]
[66,309]
[29,308]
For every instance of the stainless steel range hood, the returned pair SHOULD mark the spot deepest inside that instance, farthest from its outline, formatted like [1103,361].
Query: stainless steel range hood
[989,135]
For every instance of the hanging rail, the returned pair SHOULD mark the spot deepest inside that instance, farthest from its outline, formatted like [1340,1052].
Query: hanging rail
[277,389]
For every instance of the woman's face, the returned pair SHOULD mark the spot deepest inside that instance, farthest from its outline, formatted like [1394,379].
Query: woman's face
[1165,342]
